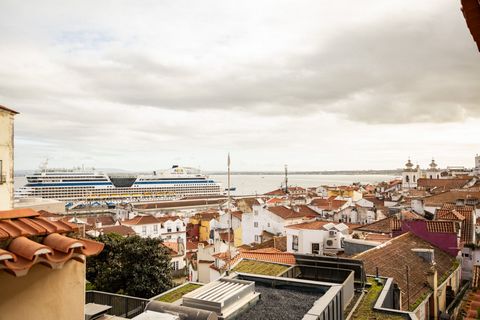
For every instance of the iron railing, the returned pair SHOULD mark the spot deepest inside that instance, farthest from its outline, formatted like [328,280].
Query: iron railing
[122,306]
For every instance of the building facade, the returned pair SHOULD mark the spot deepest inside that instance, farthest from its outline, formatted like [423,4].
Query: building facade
[6,157]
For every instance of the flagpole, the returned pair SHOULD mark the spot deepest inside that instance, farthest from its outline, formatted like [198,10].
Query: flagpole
[229,213]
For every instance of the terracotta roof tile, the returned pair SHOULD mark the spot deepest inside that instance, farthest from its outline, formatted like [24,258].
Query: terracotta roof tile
[328,204]
[51,248]
[464,214]
[387,225]
[292,213]
[120,229]
[18,213]
[441,226]
[392,257]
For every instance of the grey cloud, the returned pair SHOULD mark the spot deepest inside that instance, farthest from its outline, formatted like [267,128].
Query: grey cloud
[399,70]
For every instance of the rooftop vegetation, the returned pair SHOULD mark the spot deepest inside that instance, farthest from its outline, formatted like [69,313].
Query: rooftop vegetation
[258,267]
[178,293]
[365,309]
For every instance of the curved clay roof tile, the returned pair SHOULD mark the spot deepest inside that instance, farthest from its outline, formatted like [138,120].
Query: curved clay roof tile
[5,255]
[62,243]
[27,248]
[47,224]
[12,229]
[90,247]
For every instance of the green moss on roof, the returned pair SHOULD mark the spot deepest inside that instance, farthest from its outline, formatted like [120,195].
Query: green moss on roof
[174,295]
[259,267]
[365,309]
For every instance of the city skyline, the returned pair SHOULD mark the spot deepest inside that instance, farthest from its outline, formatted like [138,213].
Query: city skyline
[316,85]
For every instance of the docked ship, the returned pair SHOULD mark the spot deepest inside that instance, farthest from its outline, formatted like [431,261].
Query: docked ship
[89,186]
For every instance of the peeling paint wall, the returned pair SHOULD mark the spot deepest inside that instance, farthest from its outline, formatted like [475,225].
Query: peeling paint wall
[6,157]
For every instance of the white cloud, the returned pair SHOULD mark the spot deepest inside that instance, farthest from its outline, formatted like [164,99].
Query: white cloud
[315,84]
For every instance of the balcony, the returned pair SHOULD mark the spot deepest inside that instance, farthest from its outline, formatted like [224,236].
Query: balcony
[122,306]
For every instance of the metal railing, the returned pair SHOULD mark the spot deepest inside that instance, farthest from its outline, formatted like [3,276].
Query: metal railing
[122,306]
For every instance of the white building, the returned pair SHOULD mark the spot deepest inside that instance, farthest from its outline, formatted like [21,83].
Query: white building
[316,237]
[6,157]
[272,220]
[410,175]
[169,229]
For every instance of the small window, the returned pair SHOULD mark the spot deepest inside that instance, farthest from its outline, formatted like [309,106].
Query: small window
[155,228]
[295,243]
[144,230]
[255,224]
[315,248]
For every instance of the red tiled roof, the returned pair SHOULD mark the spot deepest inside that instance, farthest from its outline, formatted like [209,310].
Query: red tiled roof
[443,184]
[49,243]
[281,192]
[172,246]
[191,245]
[448,212]
[451,196]
[318,224]
[441,226]
[387,225]
[392,258]
[8,110]
[120,229]
[104,220]
[237,214]
[147,219]
[328,204]
[289,213]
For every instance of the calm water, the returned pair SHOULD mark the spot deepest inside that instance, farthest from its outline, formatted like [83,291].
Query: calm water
[251,184]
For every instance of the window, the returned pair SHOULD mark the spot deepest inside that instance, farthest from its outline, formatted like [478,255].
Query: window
[144,230]
[295,243]
[174,265]
[258,238]
[315,248]
[169,229]
[255,212]
[268,224]
[255,224]
[155,228]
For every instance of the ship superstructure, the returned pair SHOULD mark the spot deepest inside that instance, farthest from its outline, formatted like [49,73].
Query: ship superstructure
[75,185]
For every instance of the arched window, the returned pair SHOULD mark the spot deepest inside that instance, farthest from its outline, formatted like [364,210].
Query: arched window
[407,179]
[414,178]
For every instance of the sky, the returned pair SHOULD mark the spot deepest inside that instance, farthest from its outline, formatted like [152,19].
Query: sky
[317,85]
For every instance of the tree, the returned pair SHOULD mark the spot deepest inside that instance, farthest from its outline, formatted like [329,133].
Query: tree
[134,266]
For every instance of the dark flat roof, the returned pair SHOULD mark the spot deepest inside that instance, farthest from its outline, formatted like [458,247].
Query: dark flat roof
[283,303]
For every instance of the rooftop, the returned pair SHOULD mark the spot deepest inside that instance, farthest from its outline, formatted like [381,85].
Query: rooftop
[259,267]
[282,303]
[365,309]
[392,257]
[28,239]
[178,292]
[292,213]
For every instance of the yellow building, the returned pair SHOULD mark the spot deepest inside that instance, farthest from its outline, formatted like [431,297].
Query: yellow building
[6,158]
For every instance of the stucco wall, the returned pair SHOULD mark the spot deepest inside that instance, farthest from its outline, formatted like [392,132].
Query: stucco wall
[44,293]
[6,155]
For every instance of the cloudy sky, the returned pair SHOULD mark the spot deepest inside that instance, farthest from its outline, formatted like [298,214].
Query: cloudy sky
[319,85]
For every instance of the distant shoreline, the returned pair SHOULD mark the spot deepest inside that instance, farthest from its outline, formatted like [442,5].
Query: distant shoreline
[397,172]
[339,172]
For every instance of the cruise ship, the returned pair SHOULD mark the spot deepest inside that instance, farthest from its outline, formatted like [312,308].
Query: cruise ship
[88,186]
